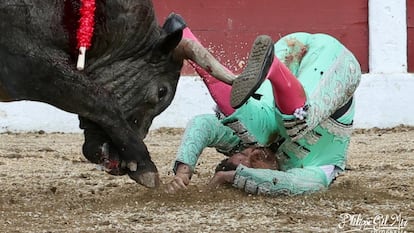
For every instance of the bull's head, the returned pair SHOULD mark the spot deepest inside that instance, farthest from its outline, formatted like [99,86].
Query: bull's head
[132,58]
[131,73]
[139,63]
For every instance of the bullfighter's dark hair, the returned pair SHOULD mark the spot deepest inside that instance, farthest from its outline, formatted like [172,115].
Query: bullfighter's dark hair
[225,165]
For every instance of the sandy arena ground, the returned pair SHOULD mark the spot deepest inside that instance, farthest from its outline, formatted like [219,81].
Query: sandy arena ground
[47,186]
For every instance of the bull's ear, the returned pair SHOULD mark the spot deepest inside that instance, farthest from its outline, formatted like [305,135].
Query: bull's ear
[165,44]
[169,41]
[174,22]
[171,35]
[173,32]
[173,28]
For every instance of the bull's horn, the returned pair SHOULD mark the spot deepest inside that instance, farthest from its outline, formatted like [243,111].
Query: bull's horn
[189,49]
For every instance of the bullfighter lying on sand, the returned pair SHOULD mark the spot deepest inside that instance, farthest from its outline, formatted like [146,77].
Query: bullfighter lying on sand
[294,102]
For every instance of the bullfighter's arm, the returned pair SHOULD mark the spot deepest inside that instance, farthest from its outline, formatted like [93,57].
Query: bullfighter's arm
[201,132]
[272,182]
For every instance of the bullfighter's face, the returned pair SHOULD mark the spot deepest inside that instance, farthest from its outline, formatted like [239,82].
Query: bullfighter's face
[255,158]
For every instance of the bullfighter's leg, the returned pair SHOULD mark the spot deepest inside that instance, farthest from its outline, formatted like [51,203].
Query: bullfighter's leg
[72,91]
[219,90]
[260,59]
[317,77]
[216,77]
[329,74]
[288,92]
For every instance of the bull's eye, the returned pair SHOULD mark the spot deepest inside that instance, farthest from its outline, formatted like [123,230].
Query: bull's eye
[162,92]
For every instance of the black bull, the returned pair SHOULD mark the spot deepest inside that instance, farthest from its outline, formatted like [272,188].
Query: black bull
[130,76]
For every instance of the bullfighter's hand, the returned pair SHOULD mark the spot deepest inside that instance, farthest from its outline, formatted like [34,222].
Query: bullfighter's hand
[220,178]
[180,180]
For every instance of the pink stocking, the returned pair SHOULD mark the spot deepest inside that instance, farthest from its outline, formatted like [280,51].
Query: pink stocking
[219,91]
[287,90]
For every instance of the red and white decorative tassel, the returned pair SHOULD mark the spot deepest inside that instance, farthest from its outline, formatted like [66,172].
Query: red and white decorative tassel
[85,30]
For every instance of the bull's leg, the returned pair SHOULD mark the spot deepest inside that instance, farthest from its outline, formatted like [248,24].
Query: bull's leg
[50,77]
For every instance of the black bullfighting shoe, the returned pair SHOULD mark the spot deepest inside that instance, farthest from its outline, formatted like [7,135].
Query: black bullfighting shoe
[173,23]
[260,60]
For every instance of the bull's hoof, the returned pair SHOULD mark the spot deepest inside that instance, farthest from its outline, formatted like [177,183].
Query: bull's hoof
[148,179]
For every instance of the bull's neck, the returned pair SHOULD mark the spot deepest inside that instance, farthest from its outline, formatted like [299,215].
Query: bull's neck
[124,28]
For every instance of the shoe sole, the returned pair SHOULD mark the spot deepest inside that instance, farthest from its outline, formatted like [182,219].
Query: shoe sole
[260,60]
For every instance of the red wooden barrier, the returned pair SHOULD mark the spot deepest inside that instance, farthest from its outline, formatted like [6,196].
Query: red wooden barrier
[228,27]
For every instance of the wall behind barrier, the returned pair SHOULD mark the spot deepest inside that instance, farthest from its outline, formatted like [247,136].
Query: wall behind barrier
[228,28]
